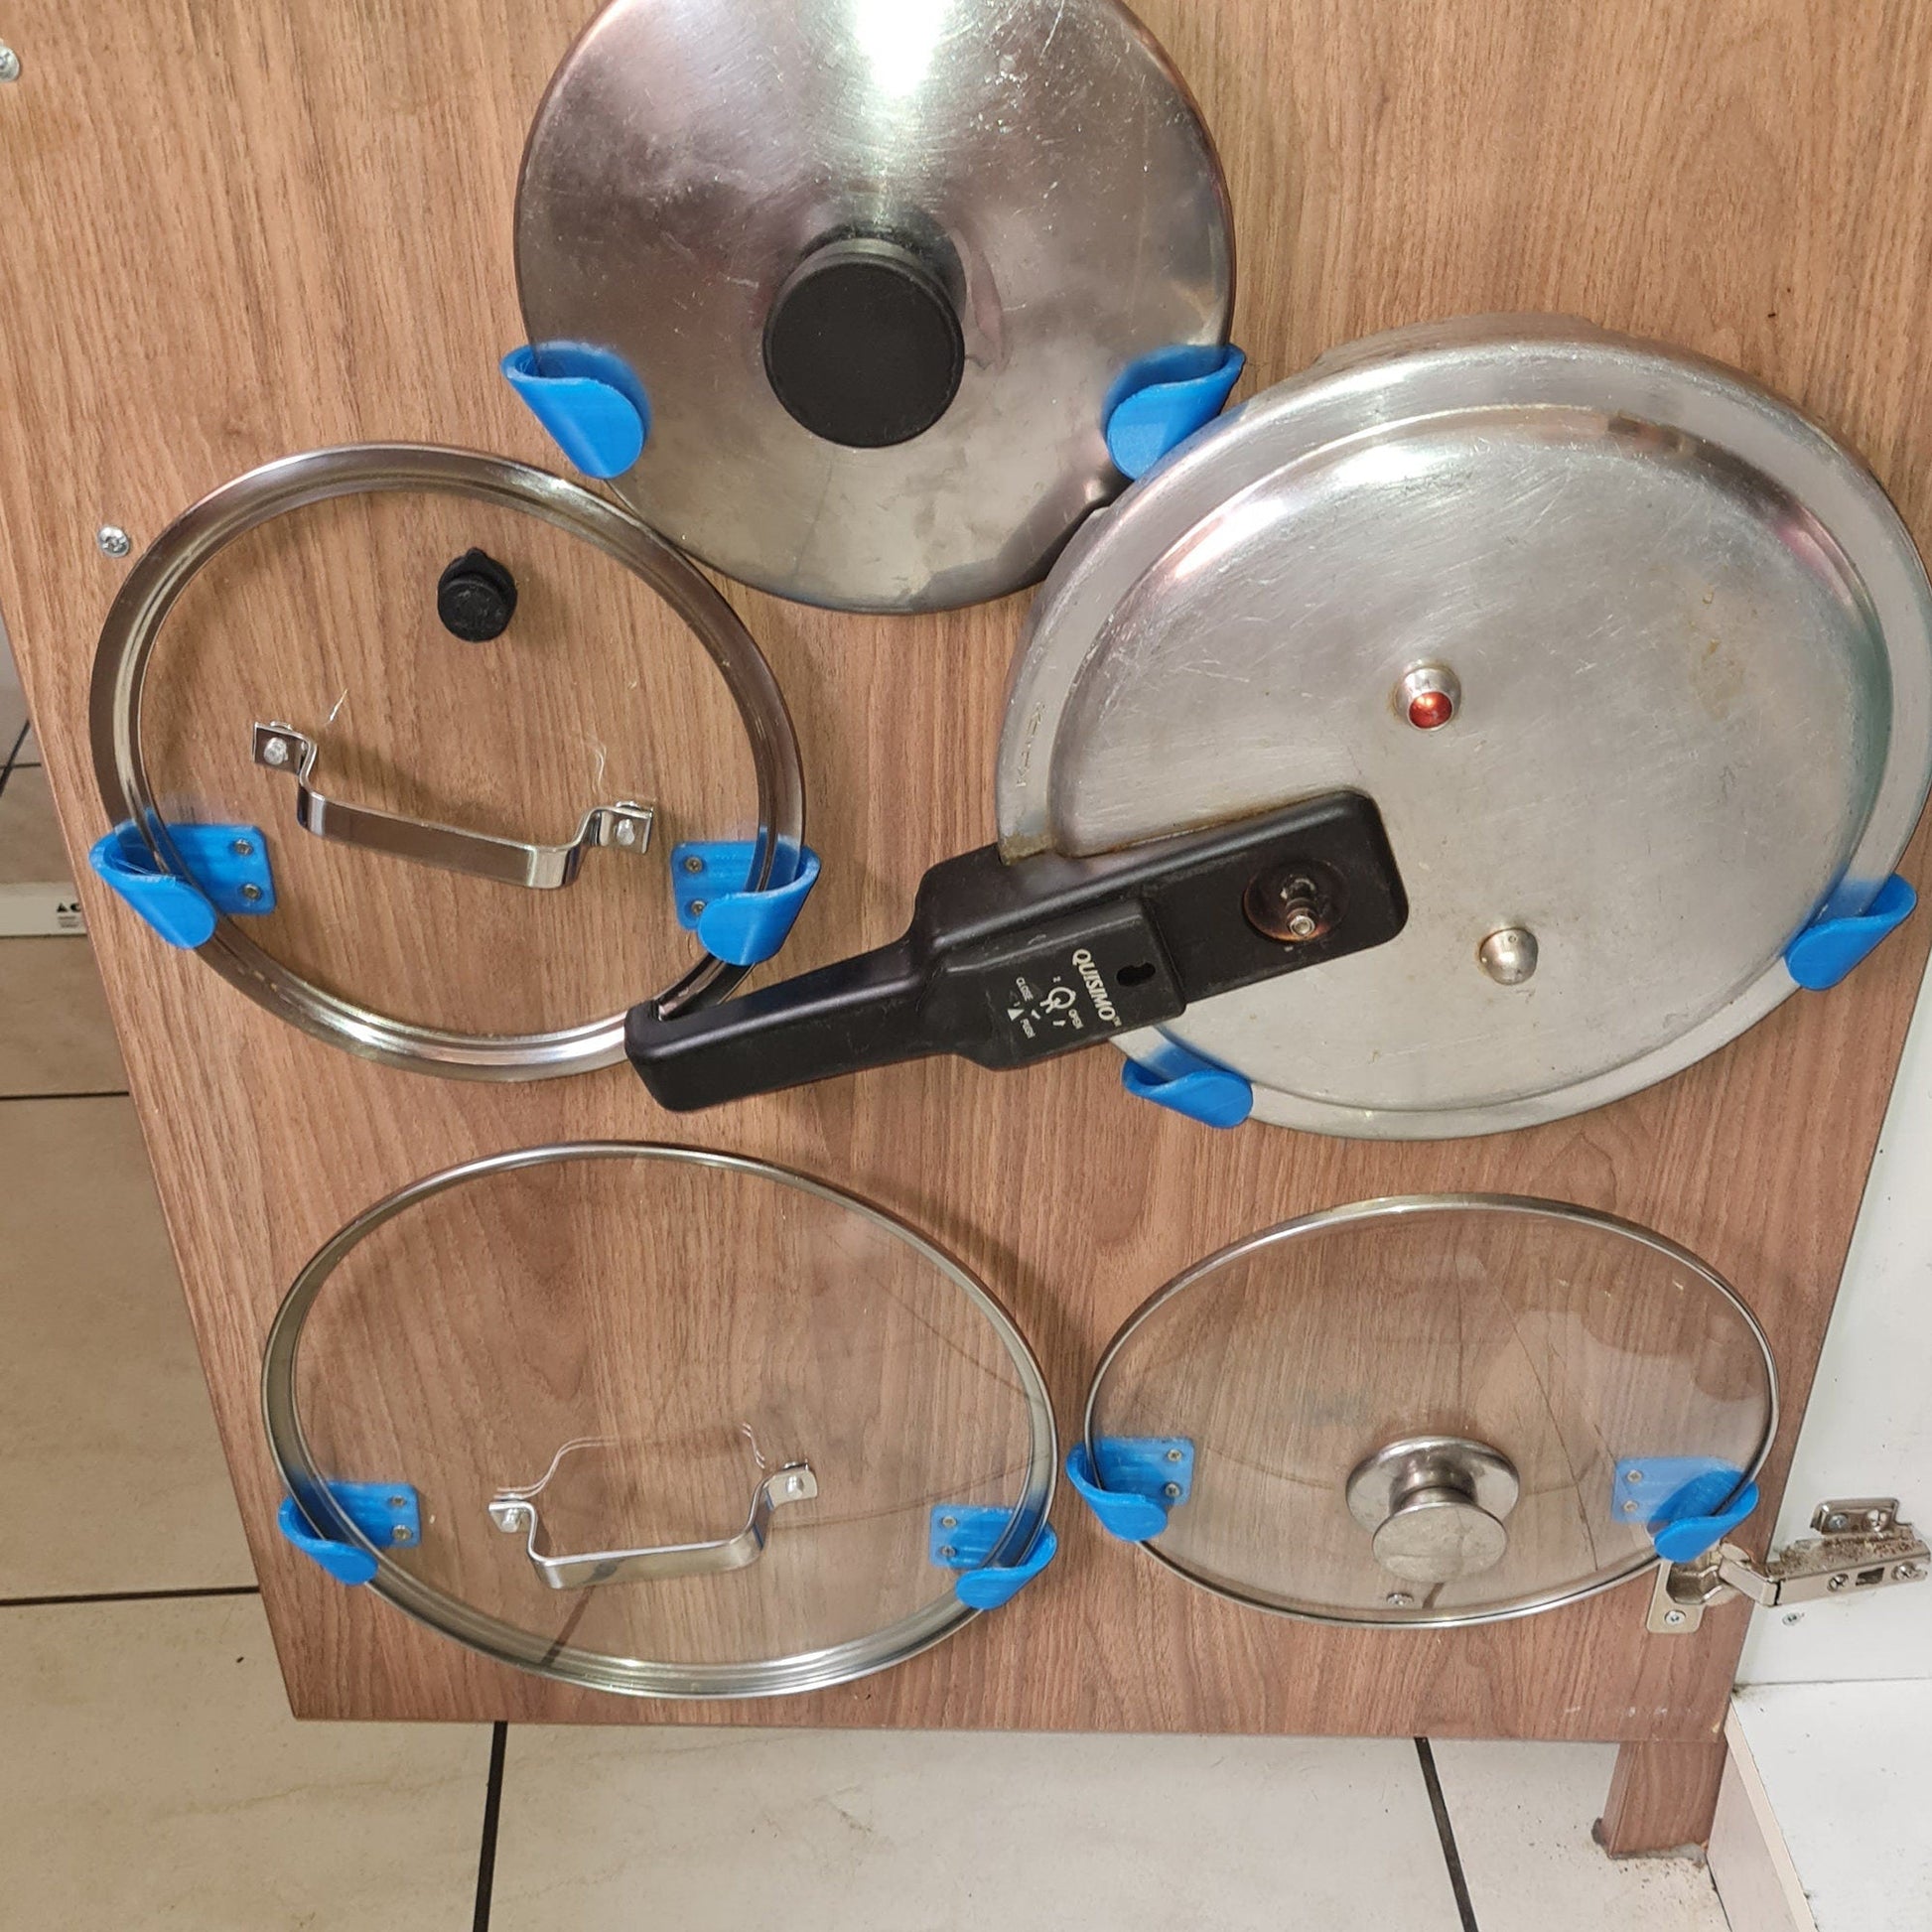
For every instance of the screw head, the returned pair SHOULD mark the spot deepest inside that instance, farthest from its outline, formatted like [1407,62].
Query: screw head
[1171,1489]
[112,540]
[946,1549]
[275,751]
[1837,1520]
[1875,1519]
[243,847]
[1399,1600]
[1909,1572]
[696,906]
[251,892]
[398,1503]
[1673,1617]
[692,863]
[1630,1505]
[1633,1475]
[1508,955]
[1794,1616]
[626,830]
[399,1533]
[9,63]
[1174,1455]
[949,1522]
[1428,696]
[1838,1581]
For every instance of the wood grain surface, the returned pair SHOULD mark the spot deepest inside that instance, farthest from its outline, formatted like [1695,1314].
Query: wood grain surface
[236,231]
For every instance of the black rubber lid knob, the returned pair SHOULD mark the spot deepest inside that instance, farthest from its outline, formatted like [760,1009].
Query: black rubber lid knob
[863,343]
[475,597]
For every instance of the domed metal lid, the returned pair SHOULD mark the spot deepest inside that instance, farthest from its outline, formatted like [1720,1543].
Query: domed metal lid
[877,266]
[1635,662]
[1434,1410]
[661,1422]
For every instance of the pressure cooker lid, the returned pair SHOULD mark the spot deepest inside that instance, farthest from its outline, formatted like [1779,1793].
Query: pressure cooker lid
[399,715]
[1635,662]
[872,271]
[665,1422]
[1432,1410]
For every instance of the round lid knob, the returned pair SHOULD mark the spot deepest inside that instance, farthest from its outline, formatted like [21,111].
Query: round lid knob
[1437,1533]
[1436,1504]
[863,344]
[476,597]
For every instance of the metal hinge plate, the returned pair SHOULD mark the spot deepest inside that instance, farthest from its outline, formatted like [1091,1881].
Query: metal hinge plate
[1861,1545]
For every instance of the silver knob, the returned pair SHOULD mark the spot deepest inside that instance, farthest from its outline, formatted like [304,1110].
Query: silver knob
[1434,1505]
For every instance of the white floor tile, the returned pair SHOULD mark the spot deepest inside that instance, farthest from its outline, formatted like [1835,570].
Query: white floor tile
[1522,1817]
[152,1777]
[31,850]
[113,1480]
[1846,1769]
[930,1831]
[55,1033]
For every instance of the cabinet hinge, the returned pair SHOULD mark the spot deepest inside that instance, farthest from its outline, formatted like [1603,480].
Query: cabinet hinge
[1861,1545]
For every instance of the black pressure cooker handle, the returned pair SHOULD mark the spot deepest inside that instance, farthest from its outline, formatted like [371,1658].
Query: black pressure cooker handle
[1006,963]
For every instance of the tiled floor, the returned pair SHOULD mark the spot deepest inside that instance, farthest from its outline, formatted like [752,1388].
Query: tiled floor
[151,1776]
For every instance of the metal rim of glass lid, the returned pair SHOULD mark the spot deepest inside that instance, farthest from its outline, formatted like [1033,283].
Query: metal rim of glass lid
[1635,660]
[877,266]
[133,629]
[1434,1409]
[582,1441]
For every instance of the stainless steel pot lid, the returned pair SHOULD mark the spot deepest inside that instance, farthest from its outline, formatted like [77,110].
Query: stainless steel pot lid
[1635,662]
[669,1423]
[1434,1410]
[877,266]
[453,700]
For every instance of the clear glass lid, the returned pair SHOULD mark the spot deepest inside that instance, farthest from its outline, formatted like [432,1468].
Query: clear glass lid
[1434,1410]
[465,711]
[672,1422]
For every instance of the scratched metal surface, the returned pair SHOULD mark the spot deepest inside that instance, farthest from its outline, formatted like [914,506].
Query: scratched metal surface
[1694,650]
[690,152]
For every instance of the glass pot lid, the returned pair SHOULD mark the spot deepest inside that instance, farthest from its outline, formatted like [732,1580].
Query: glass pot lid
[454,700]
[674,1423]
[1635,662]
[1434,1410]
[875,270]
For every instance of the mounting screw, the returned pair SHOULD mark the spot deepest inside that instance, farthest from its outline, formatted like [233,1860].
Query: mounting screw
[1838,1581]
[946,1549]
[696,906]
[949,1522]
[399,1533]
[626,830]
[275,751]
[1633,1475]
[9,63]
[113,541]
[693,863]
[1630,1505]
[1174,1455]
[1673,1617]
[1399,1600]
[1428,696]
[252,892]
[243,847]
[1838,1520]
[398,1503]
[1875,1519]
[1171,1489]
[1909,1572]
[1794,1616]
[1508,955]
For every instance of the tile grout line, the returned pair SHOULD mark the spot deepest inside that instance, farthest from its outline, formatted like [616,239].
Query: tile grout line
[90,1094]
[492,1811]
[1445,1832]
[128,1596]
